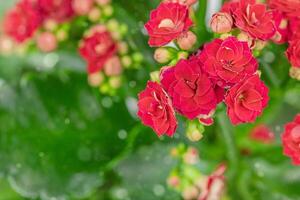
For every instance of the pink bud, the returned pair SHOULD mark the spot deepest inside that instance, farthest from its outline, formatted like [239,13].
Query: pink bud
[295,73]
[113,66]
[47,42]
[103,2]
[82,7]
[190,193]
[221,22]
[187,40]
[162,55]
[173,181]
[94,14]
[95,79]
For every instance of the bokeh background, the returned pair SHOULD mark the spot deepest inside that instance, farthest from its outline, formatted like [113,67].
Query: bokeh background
[61,139]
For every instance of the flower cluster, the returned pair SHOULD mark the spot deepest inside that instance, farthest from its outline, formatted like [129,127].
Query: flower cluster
[223,70]
[51,23]
[186,178]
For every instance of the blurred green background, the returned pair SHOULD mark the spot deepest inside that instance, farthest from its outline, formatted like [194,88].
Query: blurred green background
[61,139]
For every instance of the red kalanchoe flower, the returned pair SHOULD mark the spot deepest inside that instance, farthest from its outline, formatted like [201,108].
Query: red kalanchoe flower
[253,18]
[22,21]
[294,29]
[167,23]
[289,7]
[189,87]
[281,25]
[293,52]
[156,111]
[96,48]
[246,100]
[262,133]
[215,185]
[228,62]
[59,10]
[291,140]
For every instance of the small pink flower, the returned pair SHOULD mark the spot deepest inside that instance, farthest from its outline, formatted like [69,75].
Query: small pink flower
[293,52]
[262,133]
[59,10]
[254,19]
[22,21]
[191,90]
[167,23]
[228,62]
[156,111]
[246,100]
[96,48]
[82,7]
[291,140]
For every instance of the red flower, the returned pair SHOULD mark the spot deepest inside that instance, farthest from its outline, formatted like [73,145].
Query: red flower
[97,48]
[191,90]
[59,10]
[254,19]
[167,23]
[22,21]
[291,140]
[262,133]
[246,100]
[294,28]
[228,62]
[156,111]
[230,7]
[281,25]
[293,52]
[289,7]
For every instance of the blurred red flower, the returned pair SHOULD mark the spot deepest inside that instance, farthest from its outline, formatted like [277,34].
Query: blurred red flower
[59,10]
[96,48]
[156,111]
[167,23]
[262,133]
[22,21]
[246,100]
[291,140]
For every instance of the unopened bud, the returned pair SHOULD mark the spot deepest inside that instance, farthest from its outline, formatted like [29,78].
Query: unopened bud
[244,37]
[95,14]
[260,45]
[187,40]
[190,193]
[6,45]
[103,2]
[173,181]
[191,157]
[154,76]
[163,55]
[221,22]
[126,61]
[113,66]
[95,79]
[115,82]
[122,47]
[194,131]
[47,42]
[108,10]
[50,24]
[295,73]
[61,35]
[82,7]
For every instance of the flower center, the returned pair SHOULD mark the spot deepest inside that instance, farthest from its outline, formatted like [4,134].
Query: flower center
[166,23]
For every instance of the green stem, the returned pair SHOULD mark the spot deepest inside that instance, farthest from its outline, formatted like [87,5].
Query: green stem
[227,134]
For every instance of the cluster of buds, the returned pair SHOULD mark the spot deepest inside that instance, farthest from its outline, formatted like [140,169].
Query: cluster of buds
[187,179]
[193,80]
[50,24]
